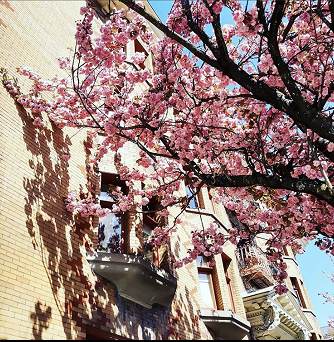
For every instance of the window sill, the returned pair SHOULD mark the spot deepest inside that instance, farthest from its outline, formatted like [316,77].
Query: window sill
[136,278]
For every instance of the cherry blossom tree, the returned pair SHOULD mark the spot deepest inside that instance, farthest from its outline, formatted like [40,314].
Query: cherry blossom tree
[244,109]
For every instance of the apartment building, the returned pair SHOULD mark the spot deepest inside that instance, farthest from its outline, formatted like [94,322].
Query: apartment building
[65,277]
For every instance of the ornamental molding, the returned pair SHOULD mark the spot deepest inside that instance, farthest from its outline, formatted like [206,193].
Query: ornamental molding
[271,314]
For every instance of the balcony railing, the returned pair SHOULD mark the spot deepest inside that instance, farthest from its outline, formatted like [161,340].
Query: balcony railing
[255,269]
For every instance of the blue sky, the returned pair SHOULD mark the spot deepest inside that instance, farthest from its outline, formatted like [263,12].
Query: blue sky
[162,7]
[313,263]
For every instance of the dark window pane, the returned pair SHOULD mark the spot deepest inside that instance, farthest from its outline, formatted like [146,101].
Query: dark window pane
[147,231]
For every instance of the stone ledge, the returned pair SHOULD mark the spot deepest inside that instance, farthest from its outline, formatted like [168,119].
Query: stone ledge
[136,278]
[225,324]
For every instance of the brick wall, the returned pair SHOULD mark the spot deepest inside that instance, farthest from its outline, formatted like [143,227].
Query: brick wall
[39,242]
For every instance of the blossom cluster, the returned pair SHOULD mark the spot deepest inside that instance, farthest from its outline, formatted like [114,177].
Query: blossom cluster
[160,235]
[207,242]
[85,207]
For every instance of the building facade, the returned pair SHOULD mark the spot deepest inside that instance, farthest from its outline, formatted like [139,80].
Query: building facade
[52,286]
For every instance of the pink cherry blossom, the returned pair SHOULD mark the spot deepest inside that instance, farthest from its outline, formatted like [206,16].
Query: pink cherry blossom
[66,156]
[38,121]
[247,120]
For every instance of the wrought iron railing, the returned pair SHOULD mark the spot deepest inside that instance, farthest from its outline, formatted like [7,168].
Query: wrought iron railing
[254,266]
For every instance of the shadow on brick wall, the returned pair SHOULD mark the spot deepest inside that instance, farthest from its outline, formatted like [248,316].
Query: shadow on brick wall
[183,321]
[41,319]
[54,234]
[59,240]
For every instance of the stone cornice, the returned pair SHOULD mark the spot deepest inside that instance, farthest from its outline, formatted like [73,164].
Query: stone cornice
[274,314]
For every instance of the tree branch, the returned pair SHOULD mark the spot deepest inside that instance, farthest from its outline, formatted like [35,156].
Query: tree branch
[314,187]
[297,108]
[322,16]
[169,33]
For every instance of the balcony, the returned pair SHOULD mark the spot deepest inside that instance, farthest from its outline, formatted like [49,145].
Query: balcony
[136,278]
[225,324]
[276,317]
[255,269]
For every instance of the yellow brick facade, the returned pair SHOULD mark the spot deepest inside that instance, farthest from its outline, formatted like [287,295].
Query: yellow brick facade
[47,288]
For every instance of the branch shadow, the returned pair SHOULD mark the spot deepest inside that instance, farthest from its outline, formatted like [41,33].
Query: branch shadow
[60,239]
[54,234]
[40,318]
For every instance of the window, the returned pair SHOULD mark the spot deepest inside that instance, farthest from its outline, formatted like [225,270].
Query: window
[112,228]
[195,197]
[212,202]
[205,275]
[285,251]
[297,291]
[159,256]
[193,203]
[110,233]
[226,263]
[140,48]
[151,208]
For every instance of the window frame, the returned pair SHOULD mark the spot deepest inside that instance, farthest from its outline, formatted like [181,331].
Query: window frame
[138,47]
[208,270]
[150,220]
[226,264]
[109,204]
[285,251]
[298,292]
[196,196]
[151,224]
